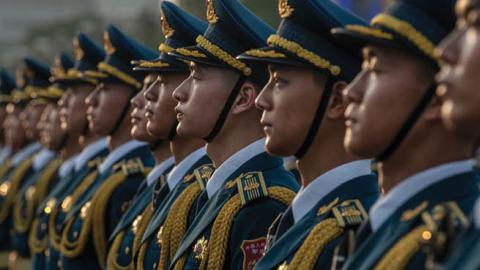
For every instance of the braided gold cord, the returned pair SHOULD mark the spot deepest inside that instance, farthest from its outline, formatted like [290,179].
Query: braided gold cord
[217,247]
[112,263]
[98,208]
[72,249]
[180,263]
[308,253]
[5,167]
[402,252]
[23,222]
[141,255]
[176,224]
[37,246]
[54,238]
[142,227]
[15,182]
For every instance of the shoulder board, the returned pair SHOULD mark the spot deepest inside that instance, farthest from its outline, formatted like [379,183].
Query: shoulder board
[448,212]
[202,174]
[129,167]
[349,213]
[251,186]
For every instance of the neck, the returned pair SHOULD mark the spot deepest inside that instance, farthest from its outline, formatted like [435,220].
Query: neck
[182,147]
[232,139]
[162,152]
[121,136]
[325,153]
[415,155]
[88,138]
[71,148]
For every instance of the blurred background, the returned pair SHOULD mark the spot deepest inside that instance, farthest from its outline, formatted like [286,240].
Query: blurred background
[43,28]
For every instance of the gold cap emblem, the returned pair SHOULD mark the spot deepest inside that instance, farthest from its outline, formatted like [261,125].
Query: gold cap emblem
[166,29]
[211,16]
[77,50]
[107,43]
[19,78]
[284,9]
[57,68]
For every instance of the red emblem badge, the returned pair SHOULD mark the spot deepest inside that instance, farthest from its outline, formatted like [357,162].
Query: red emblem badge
[253,251]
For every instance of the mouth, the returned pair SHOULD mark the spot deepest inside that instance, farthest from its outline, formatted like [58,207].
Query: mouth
[267,126]
[179,113]
[350,119]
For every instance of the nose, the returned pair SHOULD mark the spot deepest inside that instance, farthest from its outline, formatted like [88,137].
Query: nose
[151,94]
[138,101]
[355,91]
[263,101]
[448,50]
[180,94]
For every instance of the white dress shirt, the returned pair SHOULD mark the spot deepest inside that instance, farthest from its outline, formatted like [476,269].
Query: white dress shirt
[67,166]
[90,151]
[25,153]
[159,170]
[178,172]
[41,159]
[119,153]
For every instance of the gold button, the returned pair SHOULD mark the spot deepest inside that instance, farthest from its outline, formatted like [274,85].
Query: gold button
[154,266]
[75,234]
[127,250]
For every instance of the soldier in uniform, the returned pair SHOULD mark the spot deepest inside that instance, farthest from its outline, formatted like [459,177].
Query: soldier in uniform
[425,171]
[459,53]
[34,75]
[47,231]
[45,163]
[102,198]
[179,29]
[337,190]
[249,188]
[7,85]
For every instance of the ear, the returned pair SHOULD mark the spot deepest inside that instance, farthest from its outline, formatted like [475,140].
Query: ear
[338,103]
[433,112]
[245,99]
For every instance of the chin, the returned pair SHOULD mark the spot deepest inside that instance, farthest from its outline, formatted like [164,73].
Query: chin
[277,149]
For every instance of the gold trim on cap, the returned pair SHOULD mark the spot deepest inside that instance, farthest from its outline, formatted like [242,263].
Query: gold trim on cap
[166,29]
[268,54]
[107,44]
[298,50]
[164,48]
[375,32]
[102,66]
[193,53]
[408,31]
[223,55]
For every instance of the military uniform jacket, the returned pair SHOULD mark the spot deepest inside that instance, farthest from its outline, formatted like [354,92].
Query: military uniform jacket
[46,232]
[9,187]
[126,237]
[391,244]
[95,214]
[341,210]
[33,191]
[148,254]
[229,231]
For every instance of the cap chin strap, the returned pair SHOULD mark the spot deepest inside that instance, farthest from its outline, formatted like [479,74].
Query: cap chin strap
[408,125]
[317,120]
[173,131]
[155,145]
[124,113]
[226,109]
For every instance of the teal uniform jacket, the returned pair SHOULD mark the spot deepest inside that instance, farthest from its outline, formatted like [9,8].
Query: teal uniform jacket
[97,212]
[253,190]
[47,229]
[128,230]
[466,250]
[461,188]
[364,189]
[151,255]
[27,201]
[9,187]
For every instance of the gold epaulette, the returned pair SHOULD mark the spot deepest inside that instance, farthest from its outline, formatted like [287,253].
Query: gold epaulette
[203,173]
[130,166]
[427,233]
[251,186]
[95,163]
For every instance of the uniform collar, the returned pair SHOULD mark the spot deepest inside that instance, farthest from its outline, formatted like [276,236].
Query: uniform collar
[232,164]
[67,166]
[309,196]
[4,153]
[25,153]
[386,205]
[90,151]
[159,170]
[118,153]
[476,214]
[42,158]
[178,172]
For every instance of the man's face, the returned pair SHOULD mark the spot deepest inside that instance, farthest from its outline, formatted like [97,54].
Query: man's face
[201,98]
[43,128]
[381,98]
[458,78]
[3,115]
[289,102]
[15,136]
[160,109]
[54,129]
[73,108]
[138,118]
[30,117]
[105,106]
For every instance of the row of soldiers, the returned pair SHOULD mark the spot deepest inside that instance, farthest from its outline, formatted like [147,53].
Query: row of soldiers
[130,158]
